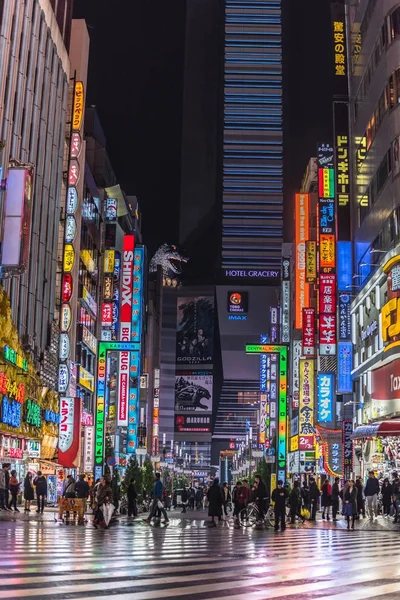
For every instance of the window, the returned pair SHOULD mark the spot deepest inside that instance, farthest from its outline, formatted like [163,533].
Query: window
[395,23]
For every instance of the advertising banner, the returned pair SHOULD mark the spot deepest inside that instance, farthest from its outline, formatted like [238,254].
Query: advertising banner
[302,227]
[311,261]
[308,332]
[125,329]
[192,424]
[345,366]
[306,409]
[326,391]
[327,335]
[69,432]
[347,428]
[88,449]
[195,330]
[344,317]
[327,294]
[193,391]
[296,355]
[327,252]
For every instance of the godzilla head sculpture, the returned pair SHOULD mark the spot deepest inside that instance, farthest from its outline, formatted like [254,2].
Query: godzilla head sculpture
[170,260]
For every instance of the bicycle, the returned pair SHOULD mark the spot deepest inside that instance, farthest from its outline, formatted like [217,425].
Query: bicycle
[250,516]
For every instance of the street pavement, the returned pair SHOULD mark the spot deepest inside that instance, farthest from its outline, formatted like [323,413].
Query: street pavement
[40,558]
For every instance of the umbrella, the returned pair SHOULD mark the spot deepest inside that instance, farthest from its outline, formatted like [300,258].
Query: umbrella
[107,510]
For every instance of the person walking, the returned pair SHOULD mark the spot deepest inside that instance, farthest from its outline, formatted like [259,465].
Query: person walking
[295,503]
[103,496]
[360,499]
[69,490]
[4,485]
[184,499]
[14,490]
[157,501]
[326,498]
[279,497]
[314,498]
[396,495]
[215,501]
[41,491]
[239,501]
[335,498]
[246,491]
[227,499]
[371,492]
[82,490]
[132,496]
[260,496]
[29,493]
[387,494]
[350,503]
[305,495]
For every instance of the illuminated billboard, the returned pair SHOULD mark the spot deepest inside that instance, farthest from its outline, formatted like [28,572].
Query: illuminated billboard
[302,228]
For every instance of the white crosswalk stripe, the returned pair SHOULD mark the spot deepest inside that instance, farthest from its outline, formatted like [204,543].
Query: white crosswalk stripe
[195,562]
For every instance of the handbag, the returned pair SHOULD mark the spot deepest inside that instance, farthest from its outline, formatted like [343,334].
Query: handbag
[348,509]
[160,505]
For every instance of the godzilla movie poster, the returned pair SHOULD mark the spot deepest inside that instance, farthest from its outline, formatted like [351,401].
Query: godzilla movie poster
[193,391]
[195,331]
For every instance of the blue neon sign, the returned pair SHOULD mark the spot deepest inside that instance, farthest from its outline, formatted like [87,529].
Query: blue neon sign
[345,366]
[326,390]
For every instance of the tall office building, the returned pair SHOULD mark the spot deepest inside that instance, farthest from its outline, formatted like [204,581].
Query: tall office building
[34,81]
[252,203]
[374,80]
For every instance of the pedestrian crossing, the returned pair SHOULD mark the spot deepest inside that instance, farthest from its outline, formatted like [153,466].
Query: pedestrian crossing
[195,562]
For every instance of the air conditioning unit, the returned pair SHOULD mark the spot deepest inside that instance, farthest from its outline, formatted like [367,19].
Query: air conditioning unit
[27,342]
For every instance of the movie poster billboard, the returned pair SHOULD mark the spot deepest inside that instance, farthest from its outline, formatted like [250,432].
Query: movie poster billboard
[195,330]
[193,391]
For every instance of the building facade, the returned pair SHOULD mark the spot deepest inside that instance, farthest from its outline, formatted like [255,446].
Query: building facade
[374,55]
[252,203]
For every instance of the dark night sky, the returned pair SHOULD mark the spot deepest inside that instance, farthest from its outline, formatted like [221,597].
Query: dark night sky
[135,80]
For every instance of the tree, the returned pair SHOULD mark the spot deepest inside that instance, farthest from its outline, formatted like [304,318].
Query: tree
[147,476]
[133,471]
[265,470]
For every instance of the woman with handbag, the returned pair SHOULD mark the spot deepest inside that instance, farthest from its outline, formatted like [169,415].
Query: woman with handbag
[350,503]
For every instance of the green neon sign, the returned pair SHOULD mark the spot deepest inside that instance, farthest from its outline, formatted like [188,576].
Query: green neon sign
[282,408]
[15,359]
[105,347]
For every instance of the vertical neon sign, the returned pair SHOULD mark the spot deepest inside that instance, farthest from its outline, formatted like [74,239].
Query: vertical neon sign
[282,351]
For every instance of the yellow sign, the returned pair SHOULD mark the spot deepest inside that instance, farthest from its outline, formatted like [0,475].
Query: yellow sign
[294,443]
[327,255]
[86,379]
[273,481]
[342,170]
[311,261]
[109,261]
[87,259]
[69,258]
[111,412]
[339,48]
[108,288]
[79,105]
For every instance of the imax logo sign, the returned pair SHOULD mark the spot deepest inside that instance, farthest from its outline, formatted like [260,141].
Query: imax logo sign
[237,317]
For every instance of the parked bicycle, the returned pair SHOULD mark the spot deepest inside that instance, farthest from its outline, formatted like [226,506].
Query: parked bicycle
[250,516]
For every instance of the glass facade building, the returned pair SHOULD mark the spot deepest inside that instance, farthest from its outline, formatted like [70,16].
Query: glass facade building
[252,227]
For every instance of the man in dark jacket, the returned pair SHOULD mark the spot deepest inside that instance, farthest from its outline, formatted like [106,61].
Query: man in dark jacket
[314,498]
[396,495]
[279,497]
[305,495]
[215,501]
[260,495]
[82,490]
[371,492]
[132,495]
[335,498]
[41,491]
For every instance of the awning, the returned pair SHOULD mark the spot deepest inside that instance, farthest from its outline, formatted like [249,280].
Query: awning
[383,429]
